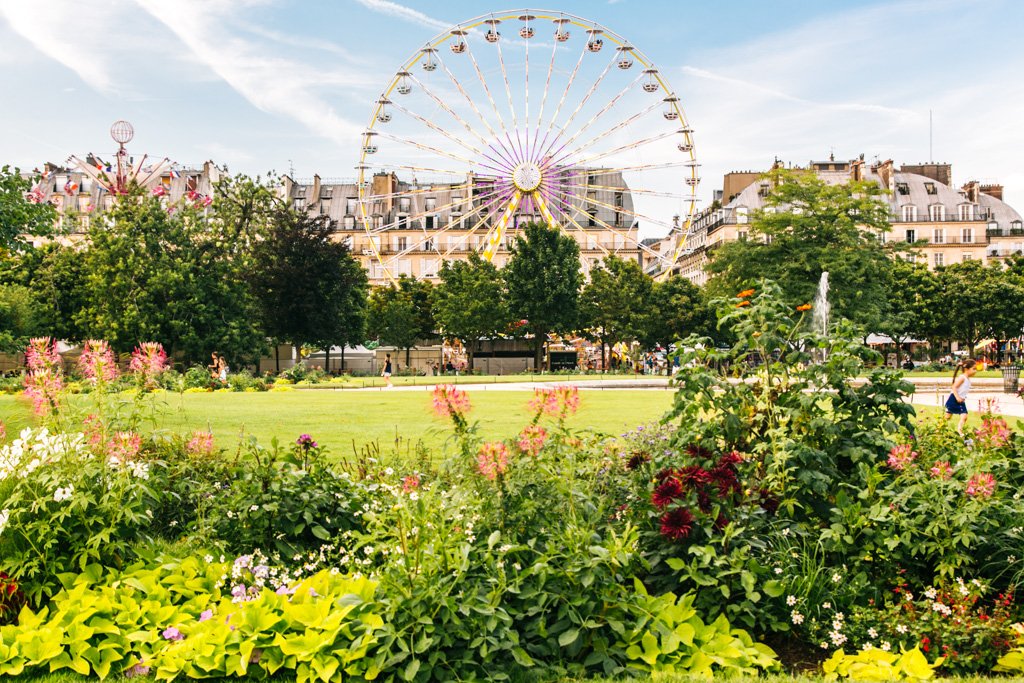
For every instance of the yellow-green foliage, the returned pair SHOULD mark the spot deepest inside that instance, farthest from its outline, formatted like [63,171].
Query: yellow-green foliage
[97,627]
[1013,661]
[879,665]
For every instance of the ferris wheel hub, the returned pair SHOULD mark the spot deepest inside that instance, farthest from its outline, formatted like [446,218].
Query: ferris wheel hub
[527,176]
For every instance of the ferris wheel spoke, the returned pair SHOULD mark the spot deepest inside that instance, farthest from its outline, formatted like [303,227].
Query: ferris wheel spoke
[624,235]
[628,212]
[476,226]
[487,91]
[565,171]
[624,148]
[631,190]
[579,227]
[605,135]
[458,86]
[547,88]
[437,129]
[608,106]
[508,92]
[422,190]
[441,152]
[561,103]
[497,231]
[583,102]
[423,214]
[434,235]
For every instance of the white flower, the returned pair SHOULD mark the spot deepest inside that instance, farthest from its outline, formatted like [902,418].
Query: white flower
[796,617]
[837,638]
[785,532]
[930,593]
[778,570]
[942,609]
[5,515]
[254,508]
[139,470]
[414,495]
[900,628]
[208,559]
[791,600]
[837,624]
[389,471]
[823,645]
[826,605]
[836,578]
[872,632]
[62,494]
[886,646]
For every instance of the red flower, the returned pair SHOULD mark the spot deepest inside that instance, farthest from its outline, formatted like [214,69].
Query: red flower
[724,479]
[636,461]
[676,524]
[665,492]
[742,304]
[693,476]
[697,451]
[745,293]
[730,458]
[803,307]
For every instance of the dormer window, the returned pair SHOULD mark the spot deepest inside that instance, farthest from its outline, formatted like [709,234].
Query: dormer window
[937,212]
[903,188]
[909,213]
[930,188]
[966,212]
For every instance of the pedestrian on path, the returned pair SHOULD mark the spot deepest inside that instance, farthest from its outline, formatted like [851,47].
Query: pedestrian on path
[956,404]
[387,370]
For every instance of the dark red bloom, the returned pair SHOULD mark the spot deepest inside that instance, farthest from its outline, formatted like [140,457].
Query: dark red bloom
[666,473]
[693,476]
[704,501]
[636,461]
[724,478]
[676,524]
[666,492]
[768,502]
[730,458]
[697,451]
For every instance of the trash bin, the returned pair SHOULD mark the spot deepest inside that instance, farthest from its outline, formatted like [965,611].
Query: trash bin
[1011,375]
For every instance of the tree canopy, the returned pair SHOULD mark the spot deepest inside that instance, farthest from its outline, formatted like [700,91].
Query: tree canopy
[470,303]
[617,304]
[18,215]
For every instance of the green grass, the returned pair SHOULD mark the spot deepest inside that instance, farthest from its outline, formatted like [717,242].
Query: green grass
[420,380]
[339,418]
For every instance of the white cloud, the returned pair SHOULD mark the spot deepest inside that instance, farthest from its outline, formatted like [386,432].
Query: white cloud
[402,12]
[273,84]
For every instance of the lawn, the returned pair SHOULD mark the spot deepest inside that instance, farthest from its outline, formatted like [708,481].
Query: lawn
[338,419]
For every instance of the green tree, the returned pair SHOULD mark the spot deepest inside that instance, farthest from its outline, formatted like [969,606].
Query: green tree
[18,215]
[543,277]
[616,304]
[18,317]
[678,309]
[916,300]
[420,293]
[309,289]
[151,275]
[392,318]
[807,227]
[470,302]
[982,301]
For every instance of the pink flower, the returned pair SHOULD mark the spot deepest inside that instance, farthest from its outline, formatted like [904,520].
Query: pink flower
[492,459]
[201,443]
[124,446]
[206,615]
[558,402]
[410,483]
[3,430]
[148,360]
[942,470]
[43,386]
[981,485]
[531,439]
[41,353]
[901,456]
[93,428]
[172,633]
[449,401]
[97,361]
[994,432]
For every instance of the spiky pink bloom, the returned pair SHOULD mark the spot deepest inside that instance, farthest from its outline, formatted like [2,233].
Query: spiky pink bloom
[558,402]
[201,443]
[43,387]
[492,459]
[901,456]
[981,485]
[124,446]
[449,401]
[3,430]
[97,361]
[93,428]
[994,432]
[532,439]
[410,483]
[149,360]
[941,470]
[41,354]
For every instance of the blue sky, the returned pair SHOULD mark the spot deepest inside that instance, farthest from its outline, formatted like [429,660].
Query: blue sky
[264,85]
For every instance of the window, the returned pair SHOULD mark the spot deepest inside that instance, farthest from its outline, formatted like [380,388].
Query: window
[966,212]
[967,235]
[592,221]
[326,192]
[1015,225]
[930,188]
[400,243]
[903,188]
[403,222]
[325,206]
[938,236]
[741,215]
[300,203]
[428,267]
[762,190]
[430,222]
[618,199]
[403,204]
[428,244]
[937,212]
[351,204]
[909,213]
[938,259]
[741,235]
[431,204]
[349,222]
[966,257]
[911,236]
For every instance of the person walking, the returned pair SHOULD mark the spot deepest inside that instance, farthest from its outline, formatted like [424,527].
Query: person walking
[222,369]
[387,370]
[214,365]
[956,404]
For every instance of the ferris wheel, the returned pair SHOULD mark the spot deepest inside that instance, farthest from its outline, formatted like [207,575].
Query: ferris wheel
[527,115]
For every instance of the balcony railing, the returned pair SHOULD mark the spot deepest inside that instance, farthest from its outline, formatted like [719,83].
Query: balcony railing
[1005,232]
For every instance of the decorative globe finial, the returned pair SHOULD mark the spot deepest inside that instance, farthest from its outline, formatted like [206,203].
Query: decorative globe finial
[122,132]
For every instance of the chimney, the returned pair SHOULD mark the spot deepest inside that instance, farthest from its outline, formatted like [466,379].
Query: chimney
[315,195]
[857,169]
[886,174]
[992,190]
[970,190]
